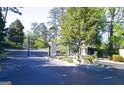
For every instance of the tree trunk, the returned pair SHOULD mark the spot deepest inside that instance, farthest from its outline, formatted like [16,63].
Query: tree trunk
[111,34]
[79,49]
[6,12]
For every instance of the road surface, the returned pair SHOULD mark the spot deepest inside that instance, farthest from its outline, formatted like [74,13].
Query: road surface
[19,69]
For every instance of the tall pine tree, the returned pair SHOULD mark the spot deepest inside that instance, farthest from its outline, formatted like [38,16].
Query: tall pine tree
[2,26]
[15,32]
[82,23]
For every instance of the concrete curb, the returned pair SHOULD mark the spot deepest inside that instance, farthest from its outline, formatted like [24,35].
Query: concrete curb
[113,62]
[5,83]
[118,65]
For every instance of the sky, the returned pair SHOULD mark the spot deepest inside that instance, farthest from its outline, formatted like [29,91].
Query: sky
[29,15]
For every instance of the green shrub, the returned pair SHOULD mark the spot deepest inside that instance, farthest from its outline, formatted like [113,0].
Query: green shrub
[116,58]
[90,58]
[62,48]
[113,52]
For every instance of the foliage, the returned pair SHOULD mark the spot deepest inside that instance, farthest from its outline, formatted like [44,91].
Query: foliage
[62,48]
[113,51]
[35,41]
[2,26]
[66,58]
[90,58]
[80,23]
[54,15]
[56,19]
[12,9]
[118,36]
[52,34]
[39,36]
[39,43]
[117,58]
[40,30]
[15,32]
[3,30]
[114,17]
[89,24]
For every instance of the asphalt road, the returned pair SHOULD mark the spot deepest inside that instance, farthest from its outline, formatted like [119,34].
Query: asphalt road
[35,70]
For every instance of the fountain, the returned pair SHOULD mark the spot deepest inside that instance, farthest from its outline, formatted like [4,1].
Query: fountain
[94,65]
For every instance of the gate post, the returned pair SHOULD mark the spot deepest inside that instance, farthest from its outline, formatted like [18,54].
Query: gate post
[28,46]
[52,49]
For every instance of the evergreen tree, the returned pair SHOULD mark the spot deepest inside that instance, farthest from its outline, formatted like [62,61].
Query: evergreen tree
[2,26]
[56,18]
[15,32]
[82,23]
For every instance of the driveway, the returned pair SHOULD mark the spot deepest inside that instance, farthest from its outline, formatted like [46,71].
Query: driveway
[20,69]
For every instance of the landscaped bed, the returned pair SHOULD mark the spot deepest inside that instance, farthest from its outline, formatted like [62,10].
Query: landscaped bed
[66,58]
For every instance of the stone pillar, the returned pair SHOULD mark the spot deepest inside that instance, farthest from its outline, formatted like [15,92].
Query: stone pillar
[84,51]
[52,49]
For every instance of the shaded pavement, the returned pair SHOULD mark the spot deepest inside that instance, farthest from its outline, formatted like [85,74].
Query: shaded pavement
[34,70]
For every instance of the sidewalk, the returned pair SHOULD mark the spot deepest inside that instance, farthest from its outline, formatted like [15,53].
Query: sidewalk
[118,65]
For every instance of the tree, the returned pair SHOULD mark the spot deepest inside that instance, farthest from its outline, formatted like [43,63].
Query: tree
[44,32]
[2,26]
[114,25]
[117,39]
[13,9]
[113,15]
[34,28]
[40,43]
[40,30]
[15,32]
[56,18]
[51,34]
[39,37]
[82,23]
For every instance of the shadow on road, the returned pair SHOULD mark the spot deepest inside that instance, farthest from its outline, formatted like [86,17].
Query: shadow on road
[23,70]
[37,71]
[24,53]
